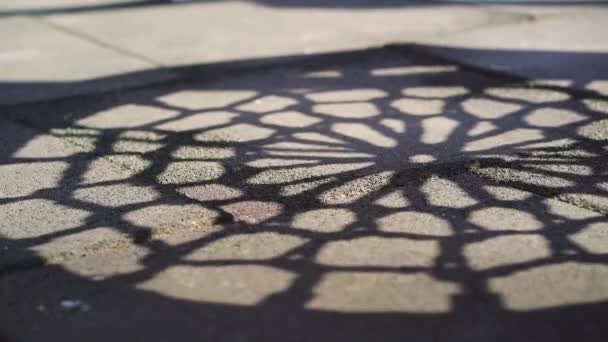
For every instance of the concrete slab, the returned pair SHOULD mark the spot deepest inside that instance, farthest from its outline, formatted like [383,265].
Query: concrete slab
[203,32]
[24,5]
[574,174]
[511,262]
[333,198]
[57,202]
[386,111]
[38,63]
[538,9]
[218,145]
[538,49]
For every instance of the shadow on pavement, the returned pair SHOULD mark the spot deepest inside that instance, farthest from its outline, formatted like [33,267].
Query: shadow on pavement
[370,195]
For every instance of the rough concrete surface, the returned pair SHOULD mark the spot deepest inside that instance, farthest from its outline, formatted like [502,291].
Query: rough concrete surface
[450,186]
[292,30]
[40,64]
[539,48]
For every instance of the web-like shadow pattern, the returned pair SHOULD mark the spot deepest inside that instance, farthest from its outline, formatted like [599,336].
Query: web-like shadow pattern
[378,195]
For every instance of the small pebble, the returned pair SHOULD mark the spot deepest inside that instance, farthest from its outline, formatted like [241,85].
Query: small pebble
[73,305]
[42,308]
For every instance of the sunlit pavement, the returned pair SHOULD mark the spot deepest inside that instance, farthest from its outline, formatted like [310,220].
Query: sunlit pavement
[303,171]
